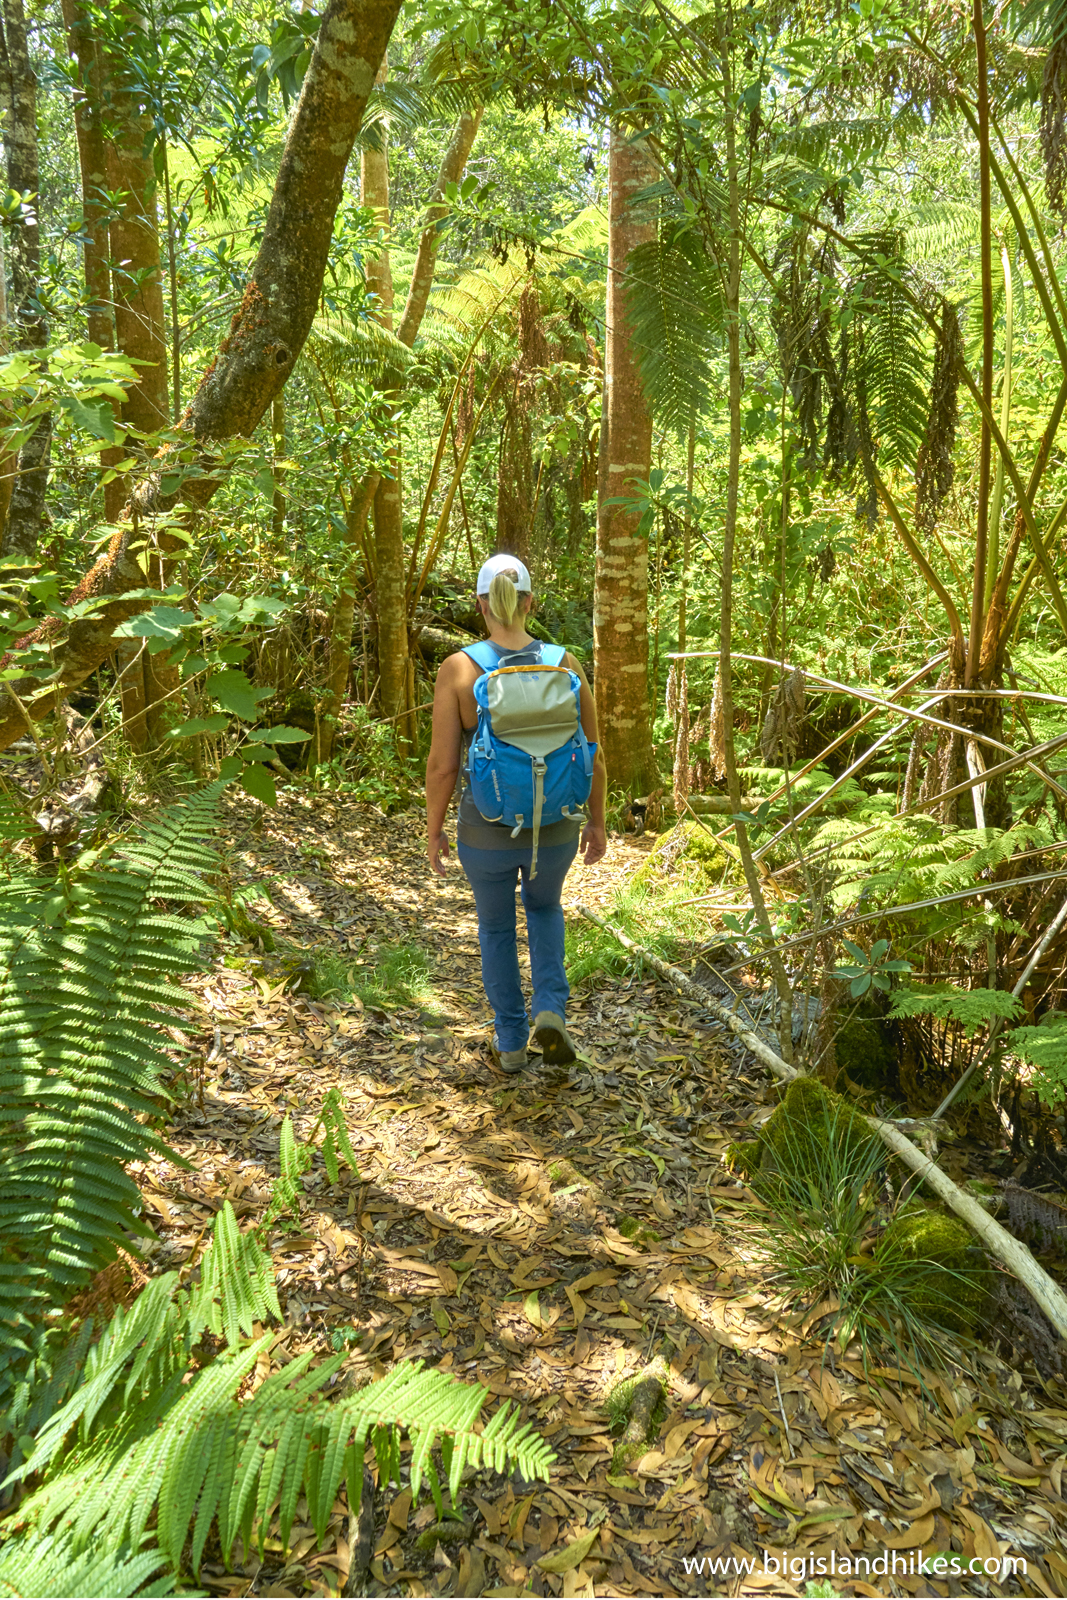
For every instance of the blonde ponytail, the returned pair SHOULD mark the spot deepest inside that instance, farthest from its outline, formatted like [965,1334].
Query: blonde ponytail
[504,598]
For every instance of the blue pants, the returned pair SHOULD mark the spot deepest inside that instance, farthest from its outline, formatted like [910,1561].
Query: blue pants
[492,875]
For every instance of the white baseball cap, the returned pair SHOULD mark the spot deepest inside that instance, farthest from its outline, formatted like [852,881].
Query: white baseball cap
[504,563]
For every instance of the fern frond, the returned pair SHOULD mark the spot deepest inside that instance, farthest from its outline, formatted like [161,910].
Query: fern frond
[941,228]
[293,1161]
[206,1455]
[674,298]
[32,1566]
[84,998]
[236,1287]
[332,1118]
[357,350]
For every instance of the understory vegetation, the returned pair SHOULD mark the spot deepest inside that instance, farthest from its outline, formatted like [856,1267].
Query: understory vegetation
[745,328]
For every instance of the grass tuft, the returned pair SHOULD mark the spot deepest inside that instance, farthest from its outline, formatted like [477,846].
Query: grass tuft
[395,975]
[650,914]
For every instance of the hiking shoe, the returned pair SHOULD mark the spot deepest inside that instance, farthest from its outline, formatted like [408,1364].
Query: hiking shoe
[552,1037]
[508,1060]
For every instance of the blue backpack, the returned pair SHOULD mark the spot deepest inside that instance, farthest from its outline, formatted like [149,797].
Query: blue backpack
[530,764]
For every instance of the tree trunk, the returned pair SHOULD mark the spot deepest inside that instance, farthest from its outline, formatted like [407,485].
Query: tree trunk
[390,566]
[18,91]
[344,611]
[453,162]
[92,159]
[267,333]
[620,607]
[515,476]
[140,326]
[96,249]
[389,541]
[140,333]
[277,430]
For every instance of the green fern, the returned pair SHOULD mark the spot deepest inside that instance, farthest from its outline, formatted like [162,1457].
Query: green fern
[236,1287]
[88,981]
[674,298]
[335,1129]
[973,1008]
[1044,1045]
[49,1566]
[294,1160]
[184,1451]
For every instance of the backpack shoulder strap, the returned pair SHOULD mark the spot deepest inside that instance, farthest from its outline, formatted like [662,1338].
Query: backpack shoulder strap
[552,654]
[483,655]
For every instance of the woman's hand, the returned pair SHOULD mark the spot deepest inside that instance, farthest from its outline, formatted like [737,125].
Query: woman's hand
[437,850]
[593,843]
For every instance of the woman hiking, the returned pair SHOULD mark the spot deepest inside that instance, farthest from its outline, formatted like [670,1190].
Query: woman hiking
[516,723]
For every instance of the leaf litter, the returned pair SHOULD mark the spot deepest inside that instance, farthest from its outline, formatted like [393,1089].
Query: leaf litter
[550,1238]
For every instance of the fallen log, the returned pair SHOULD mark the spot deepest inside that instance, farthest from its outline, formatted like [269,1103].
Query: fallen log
[1000,1243]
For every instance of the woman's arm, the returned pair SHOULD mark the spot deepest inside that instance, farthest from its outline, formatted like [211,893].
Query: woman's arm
[594,841]
[442,766]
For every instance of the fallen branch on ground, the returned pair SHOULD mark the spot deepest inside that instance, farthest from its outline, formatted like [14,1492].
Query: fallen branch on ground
[1007,1249]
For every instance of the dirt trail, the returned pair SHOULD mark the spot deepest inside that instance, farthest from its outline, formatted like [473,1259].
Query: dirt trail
[549,1238]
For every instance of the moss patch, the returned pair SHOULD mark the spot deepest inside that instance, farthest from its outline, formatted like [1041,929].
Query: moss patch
[863,1051]
[952,1276]
[743,1157]
[690,841]
[795,1140]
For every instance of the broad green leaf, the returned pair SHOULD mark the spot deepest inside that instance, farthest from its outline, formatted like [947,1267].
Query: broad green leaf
[214,724]
[162,622]
[234,693]
[259,783]
[99,420]
[279,735]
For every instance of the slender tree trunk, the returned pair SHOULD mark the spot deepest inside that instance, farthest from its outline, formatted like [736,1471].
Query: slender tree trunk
[620,606]
[391,596]
[18,90]
[390,566]
[140,319]
[985,445]
[96,249]
[265,338]
[9,462]
[277,429]
[140,333]
[340,658]
[733,481]
[453,162]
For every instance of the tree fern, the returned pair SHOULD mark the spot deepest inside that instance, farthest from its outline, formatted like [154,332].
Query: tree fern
[889,357]
[88,976]
[674,299]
